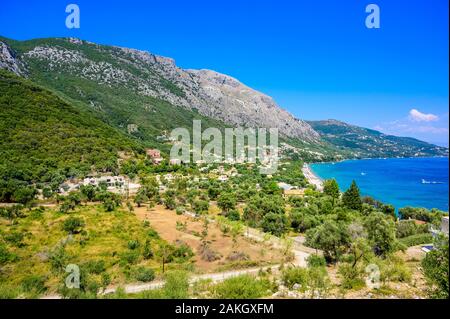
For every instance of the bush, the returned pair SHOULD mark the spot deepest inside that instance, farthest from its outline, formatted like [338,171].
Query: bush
[316,261]
[147,252]
[133,244]
[351,276]
[15,239]
[394,269]
[34,284]
[73,225]
[295,275]
[58,259]
[179,210]
[129,257]
[238,256]
[183,252]
[95,266]
[406,228]
[242,287]
[153,234]
[417,239]
[233,215]
[144,274]
[176,285]
[5,255]
[8,292]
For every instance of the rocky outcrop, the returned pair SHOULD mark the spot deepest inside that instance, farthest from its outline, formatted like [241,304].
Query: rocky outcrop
[9,61]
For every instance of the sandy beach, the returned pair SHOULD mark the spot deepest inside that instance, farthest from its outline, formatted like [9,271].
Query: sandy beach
[311,177]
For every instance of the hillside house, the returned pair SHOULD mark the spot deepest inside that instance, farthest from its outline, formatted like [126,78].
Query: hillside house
[293,192]
[154,155]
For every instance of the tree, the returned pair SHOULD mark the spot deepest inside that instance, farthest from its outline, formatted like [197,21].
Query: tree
[226,201]
[331,188]
[24,195]
[169,199]
[351,198]
[88,192]
[140,197]
[381,233]
[436,268]
[47,192]
[331,237]
[275,224]
[201,207]
[73,225]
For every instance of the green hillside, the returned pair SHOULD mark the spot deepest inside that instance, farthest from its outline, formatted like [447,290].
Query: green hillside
[363,142]
[45,139]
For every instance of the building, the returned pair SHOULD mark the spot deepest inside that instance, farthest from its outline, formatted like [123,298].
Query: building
[293,192]
[154,155]
[175,161]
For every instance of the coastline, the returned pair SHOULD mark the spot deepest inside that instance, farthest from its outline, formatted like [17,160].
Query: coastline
[311,177]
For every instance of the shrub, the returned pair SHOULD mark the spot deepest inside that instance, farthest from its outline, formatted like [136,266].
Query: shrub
[207,254]
[351,276]
[73,225]
[242,287]
[316,261]
[238,256]
[8,292]
[147,252]
[179,210]
[417,239]
[176,285]
[295,275]
[133,244]
[15,239]
[144,274]
[395,271]
[153,234]
[34,284]
[129,257]
[95,266]
[58,259]
[233,215]
[435,268]
[183,252]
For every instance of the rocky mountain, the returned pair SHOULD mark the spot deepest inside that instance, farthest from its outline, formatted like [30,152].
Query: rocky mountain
[144,96]
[363,142]
[144,74]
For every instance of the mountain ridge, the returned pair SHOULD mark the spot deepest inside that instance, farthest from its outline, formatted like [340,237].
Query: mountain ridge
[129,87]
[159,77]
[366,142]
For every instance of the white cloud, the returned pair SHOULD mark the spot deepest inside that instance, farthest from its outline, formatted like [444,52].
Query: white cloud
[417,116]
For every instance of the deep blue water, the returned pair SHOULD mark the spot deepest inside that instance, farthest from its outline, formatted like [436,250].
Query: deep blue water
[418,182]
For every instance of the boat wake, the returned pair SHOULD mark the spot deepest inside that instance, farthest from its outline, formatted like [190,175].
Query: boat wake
[431,182]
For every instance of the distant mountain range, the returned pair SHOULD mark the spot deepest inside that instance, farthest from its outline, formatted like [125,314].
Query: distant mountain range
[141,96]
[364,142]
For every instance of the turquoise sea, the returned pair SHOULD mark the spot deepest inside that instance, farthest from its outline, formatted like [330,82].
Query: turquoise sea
[418,182]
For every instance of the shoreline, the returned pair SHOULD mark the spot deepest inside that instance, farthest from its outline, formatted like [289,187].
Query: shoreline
[311,177]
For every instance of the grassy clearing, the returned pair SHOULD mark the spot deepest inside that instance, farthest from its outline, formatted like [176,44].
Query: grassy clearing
[111,248]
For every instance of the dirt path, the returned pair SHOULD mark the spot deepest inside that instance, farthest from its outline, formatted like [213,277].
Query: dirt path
[301,253]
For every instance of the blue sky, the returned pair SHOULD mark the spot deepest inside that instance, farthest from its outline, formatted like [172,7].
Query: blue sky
[316,58]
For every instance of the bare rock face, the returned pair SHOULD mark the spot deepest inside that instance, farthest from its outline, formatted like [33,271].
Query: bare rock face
[236,103]
[9,61]
[213,94]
